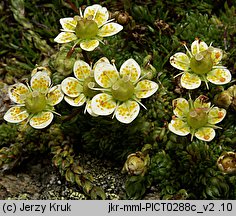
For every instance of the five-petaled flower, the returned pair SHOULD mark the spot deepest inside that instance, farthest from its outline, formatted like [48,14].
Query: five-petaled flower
[121,92]
[201,64]
[79,90]
[34,103]
[88,29]
[197,118]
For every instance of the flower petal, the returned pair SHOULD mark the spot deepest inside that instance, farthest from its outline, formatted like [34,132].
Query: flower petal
[181,107]
[180,61]
[82,70]
[127,111]
[105,74]
[65,37]
[109,29]
[68,24]
[41,120]
[103,104]
[145,88]
[89,108]
[89,45]
[131,69]
[198,46]
[219,76]
[98,13]
[40,82]
[71,87]
[190,81]
[16,114]
[205,134]
[77,101]
[216,55]
[101,60]
[55,95]
[179,127]
[18,92]
[216,115]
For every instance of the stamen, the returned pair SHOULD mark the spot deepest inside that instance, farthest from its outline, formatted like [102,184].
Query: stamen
[179,74]
[147,74]
[210,49]
[53,112]
[80,13]
[100,41]
[206,82]
[91,72]
[85,109]
[27,121]
[198,45]
[218,67]
[108,21]
[140,104]
[113,63]
[29,86]
[19,105]
[179,61]
[21,113]
[82,98]
[114,113]
[192,135]
[101,89]
[190,54]
[95,13]
[190,101]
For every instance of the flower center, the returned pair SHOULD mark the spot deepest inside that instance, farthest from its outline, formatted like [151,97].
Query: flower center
[88,84]
[86,28]
[35,102]
[122,89]
[201,63]
[197,118]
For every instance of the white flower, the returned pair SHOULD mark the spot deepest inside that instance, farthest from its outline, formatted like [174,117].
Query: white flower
[78,90]
[121,92]
[35,102]
[201,64]
[88,29]
[196,118]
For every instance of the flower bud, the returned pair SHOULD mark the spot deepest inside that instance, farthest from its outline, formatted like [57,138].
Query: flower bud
[223,99]
[62,64]
[227,163]
[232,91]
[136,164]
[123,18]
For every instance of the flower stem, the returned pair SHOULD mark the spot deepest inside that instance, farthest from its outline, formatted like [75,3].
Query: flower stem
[72,5]
[86,58]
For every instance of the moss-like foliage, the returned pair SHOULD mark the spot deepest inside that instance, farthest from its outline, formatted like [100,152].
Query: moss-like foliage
[179,168]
